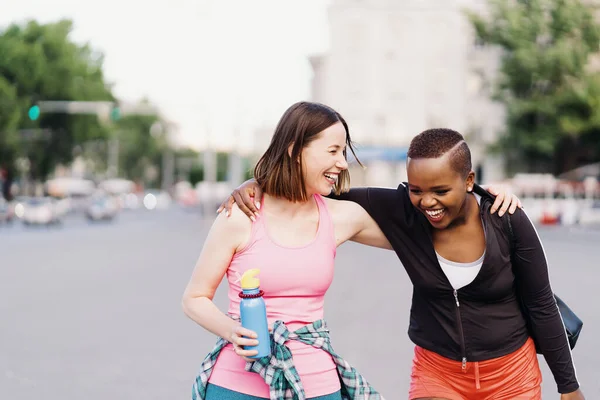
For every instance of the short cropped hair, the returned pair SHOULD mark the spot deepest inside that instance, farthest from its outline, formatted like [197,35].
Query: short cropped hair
[434,143]
[278,173]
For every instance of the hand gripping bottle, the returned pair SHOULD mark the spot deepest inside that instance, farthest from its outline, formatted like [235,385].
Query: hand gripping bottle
[254,313]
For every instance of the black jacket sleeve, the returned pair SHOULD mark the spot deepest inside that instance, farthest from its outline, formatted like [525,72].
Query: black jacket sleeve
[531,274]
[357,195]
[386,206]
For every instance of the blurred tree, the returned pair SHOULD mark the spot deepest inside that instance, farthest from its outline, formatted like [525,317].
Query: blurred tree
[40,62]
[189,165]
[546,81]
[222,166]
[142,142]
[9,119]
[196,174]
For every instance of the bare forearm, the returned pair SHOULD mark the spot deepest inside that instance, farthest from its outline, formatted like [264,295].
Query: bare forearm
[206,314]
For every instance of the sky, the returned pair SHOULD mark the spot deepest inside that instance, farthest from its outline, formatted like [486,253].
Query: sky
[216,68]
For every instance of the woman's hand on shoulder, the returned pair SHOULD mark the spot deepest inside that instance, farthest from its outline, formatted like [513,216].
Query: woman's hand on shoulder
[505,201]
[247,197]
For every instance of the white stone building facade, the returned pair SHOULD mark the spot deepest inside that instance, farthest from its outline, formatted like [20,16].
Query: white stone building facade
[397,67]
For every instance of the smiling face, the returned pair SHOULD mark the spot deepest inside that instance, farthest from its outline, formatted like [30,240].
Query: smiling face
[438,190]
[307,154]
[324,159]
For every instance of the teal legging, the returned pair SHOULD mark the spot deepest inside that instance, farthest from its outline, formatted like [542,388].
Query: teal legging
[214,392]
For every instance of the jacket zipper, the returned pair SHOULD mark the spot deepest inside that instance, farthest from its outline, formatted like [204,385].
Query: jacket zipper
[462,335]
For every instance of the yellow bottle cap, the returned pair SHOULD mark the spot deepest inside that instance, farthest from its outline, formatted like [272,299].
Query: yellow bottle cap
[249,279]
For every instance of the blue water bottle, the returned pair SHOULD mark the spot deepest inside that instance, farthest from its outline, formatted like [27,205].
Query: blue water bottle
[254,313]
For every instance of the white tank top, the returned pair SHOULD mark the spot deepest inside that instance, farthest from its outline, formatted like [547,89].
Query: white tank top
[461,274]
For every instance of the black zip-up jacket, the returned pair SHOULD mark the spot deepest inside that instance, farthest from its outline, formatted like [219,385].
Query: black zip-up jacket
[482,320]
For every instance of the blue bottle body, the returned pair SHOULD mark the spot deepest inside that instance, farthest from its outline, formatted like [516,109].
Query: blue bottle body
[253,313]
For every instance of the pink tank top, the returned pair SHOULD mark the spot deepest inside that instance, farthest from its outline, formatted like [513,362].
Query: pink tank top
[294,280]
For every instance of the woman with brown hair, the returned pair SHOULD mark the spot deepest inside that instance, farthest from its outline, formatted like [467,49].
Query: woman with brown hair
[293,243]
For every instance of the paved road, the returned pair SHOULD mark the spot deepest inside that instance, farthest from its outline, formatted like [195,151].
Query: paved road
[93,311]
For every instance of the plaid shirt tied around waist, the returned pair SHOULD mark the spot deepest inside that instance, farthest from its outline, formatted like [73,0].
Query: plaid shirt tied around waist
[278,369]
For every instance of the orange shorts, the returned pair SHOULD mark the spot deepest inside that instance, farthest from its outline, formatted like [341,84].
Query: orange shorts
[515,376]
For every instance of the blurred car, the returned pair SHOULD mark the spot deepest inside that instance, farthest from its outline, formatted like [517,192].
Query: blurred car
[40,211]
[7,211]
[128,201]
[157,200]
[101,208]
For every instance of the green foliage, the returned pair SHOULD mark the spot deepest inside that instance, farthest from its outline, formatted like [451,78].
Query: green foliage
[196,174]
[550,93]
[40,62]
[138,148]
[222,166]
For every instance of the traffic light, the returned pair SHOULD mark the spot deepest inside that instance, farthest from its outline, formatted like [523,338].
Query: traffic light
[115,113]
[34,112]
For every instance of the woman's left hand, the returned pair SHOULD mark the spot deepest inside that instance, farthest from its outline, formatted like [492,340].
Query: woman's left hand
[505,199]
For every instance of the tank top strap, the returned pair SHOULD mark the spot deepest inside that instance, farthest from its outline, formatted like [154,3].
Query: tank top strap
[326,228]
[258,226]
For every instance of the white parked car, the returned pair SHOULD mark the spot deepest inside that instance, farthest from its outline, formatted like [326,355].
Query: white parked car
[40,211]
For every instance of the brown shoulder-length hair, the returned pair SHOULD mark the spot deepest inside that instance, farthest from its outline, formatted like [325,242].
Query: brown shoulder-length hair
[301,123]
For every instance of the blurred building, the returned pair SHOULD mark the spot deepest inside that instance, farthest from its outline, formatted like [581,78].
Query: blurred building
[395,68]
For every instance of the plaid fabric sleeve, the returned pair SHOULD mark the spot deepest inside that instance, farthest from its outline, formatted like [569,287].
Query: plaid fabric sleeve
[199,387]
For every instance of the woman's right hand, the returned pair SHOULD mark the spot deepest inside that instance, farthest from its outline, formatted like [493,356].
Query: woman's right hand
[247,196]
[238,341]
